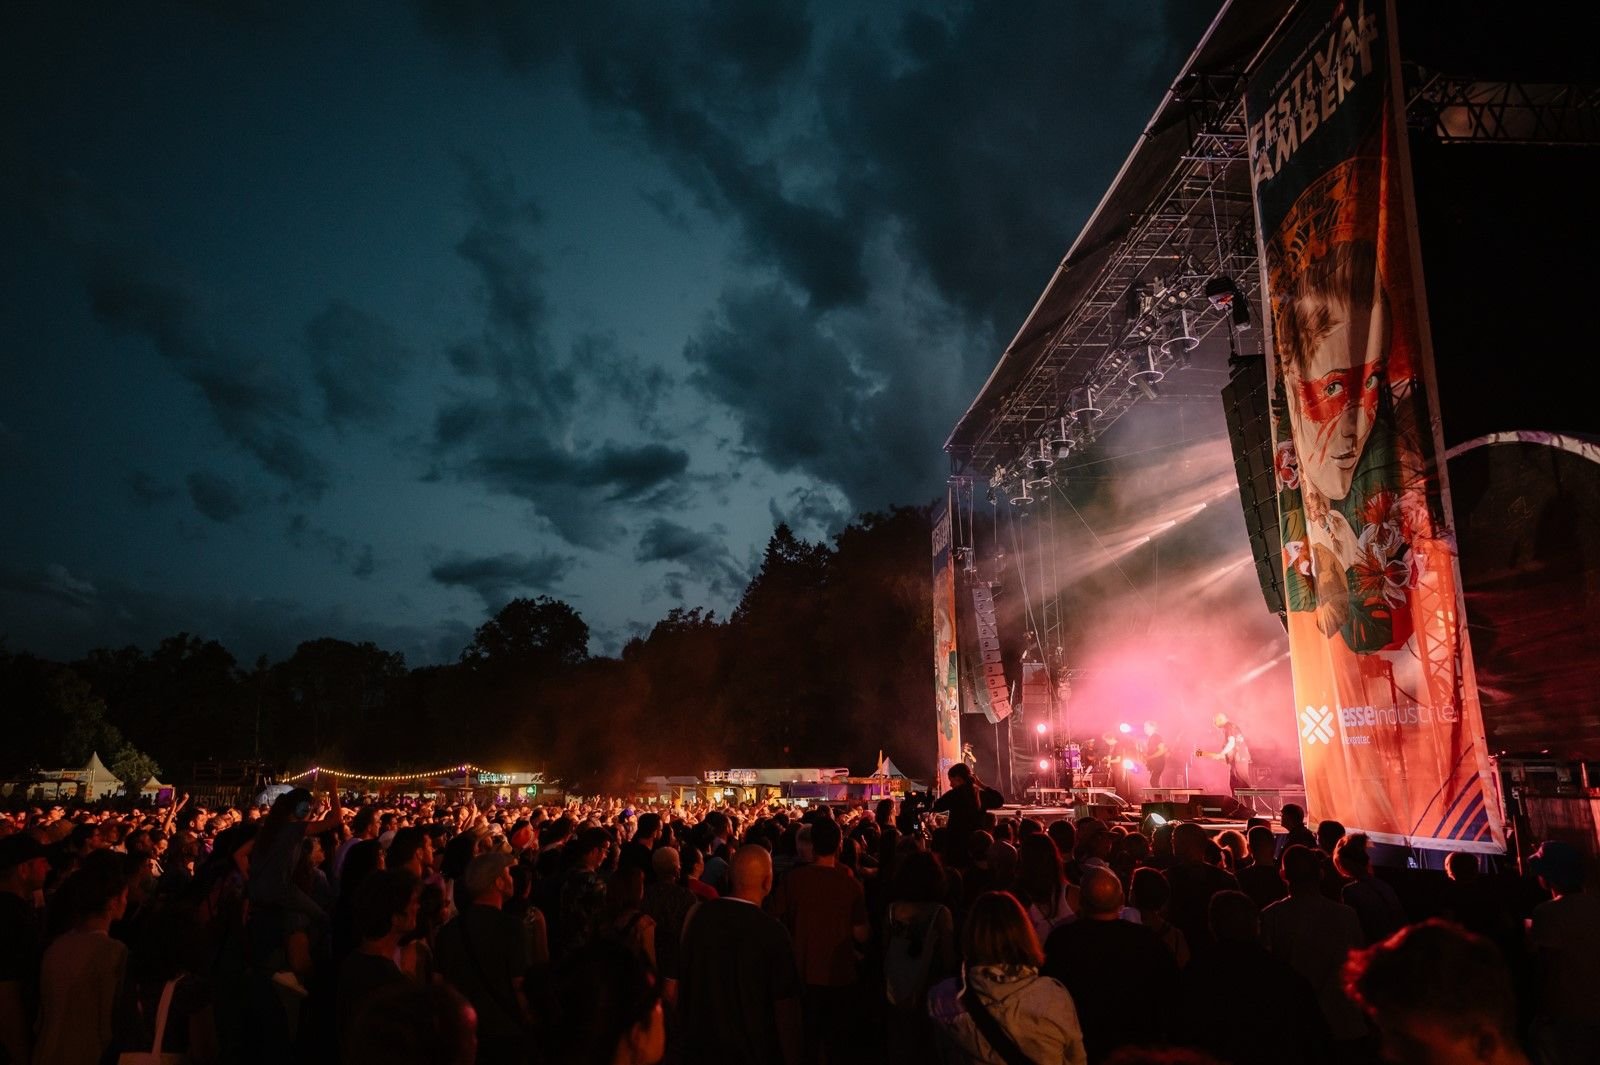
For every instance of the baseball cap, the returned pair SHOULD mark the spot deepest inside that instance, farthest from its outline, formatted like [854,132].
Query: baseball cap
[483,870]
[18,849]
[1557,861]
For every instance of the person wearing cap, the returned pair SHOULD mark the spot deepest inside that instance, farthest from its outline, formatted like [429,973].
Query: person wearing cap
[484,954]
[1565,937]
[24,865]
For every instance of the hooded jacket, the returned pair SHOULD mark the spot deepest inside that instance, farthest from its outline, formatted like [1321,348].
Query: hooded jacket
[1036,1011]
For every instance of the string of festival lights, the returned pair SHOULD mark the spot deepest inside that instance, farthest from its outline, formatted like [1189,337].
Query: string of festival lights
[389,778]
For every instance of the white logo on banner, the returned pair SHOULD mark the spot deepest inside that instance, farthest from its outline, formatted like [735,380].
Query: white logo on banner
[1316,725]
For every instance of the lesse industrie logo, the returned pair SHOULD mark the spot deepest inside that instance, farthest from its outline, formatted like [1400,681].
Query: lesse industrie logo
[1316,725]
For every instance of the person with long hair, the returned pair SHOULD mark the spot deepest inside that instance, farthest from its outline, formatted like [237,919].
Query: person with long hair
[1001,1009]
[1041,884]
[608,1009]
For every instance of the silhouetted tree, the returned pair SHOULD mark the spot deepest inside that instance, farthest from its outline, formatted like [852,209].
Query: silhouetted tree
[336,696]
[542,633]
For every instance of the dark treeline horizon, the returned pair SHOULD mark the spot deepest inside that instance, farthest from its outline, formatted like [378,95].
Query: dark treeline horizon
[825,660]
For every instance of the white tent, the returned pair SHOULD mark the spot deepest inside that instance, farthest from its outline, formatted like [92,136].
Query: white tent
[887,768]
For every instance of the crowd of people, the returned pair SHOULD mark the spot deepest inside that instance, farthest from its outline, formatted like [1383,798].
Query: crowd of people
[363,929]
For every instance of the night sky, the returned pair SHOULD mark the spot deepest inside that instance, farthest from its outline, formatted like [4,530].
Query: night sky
[358,320]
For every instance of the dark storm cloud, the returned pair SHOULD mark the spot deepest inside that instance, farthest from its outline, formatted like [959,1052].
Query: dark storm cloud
[58,613]
[253,402]
[796,388]
[357,362]
[52,582]
[525,437]
[696,84]
[496,578]
[502,445]
[796,382]
[988,134]
[356,558]
[813,510]
[507,269]
[512,349]
[625,378]
[920,122]
[150,491]
[215,496]
[873,159]
[703,557]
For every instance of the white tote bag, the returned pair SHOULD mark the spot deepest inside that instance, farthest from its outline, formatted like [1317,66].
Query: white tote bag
[155,1056]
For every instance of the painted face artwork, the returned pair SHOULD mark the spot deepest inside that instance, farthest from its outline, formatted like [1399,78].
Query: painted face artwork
[1334,389]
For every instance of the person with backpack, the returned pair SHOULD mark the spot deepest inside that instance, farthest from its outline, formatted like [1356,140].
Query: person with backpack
[919,951]
[483,954]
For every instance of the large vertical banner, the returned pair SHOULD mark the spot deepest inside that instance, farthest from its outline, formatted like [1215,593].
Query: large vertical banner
[946,676]
[1391,733]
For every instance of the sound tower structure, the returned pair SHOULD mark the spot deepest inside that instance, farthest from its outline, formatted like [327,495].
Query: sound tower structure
[1247,406]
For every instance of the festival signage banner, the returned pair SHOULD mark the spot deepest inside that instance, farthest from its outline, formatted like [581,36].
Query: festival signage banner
[1391,732]
[946,676]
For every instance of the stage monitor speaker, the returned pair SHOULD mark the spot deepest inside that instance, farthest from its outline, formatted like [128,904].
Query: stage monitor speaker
[1171,811]
[1216,805]
[1247,405]
[1196,808]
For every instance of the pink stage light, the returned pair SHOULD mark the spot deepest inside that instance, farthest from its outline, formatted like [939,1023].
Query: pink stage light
[1124,728]
[1040,728]
[1127,763]
[1044,763]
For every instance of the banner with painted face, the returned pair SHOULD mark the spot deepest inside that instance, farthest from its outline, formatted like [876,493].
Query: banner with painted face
[1391,732]
[946,676]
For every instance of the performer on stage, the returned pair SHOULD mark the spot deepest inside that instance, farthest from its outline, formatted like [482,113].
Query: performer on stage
[1155,753]
[968,756]
[1235,751]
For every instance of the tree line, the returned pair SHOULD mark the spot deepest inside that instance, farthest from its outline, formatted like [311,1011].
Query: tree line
[825,660]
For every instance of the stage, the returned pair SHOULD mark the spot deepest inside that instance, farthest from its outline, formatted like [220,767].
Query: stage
[1215,812]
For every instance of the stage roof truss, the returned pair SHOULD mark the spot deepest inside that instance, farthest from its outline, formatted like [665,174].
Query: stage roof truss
[1200,225]
[1461,110]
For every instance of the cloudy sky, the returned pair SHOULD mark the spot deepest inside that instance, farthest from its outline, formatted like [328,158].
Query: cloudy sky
[358,320]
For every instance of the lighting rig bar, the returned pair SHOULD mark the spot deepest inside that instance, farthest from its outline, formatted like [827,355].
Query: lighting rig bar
[1460,110]
[1113,348]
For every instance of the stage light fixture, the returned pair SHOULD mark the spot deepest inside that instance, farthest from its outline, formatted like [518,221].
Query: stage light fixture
[1020,496]
[1044,763]
[1042,459]
[1062,440]
[1127,764]
[1081,404]
[1124,728]
[1155,819]
[1181,339]
[1142,368]
[1041,728]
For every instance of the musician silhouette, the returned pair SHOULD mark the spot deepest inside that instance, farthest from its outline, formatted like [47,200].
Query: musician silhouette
[1155,753]
[1235,751]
